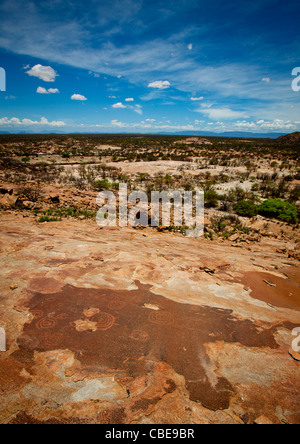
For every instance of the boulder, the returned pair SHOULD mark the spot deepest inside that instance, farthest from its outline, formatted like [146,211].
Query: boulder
[295,355]
[234,237]
[28,204]
[54,198]
[295,254]
[8,201]
[262,420]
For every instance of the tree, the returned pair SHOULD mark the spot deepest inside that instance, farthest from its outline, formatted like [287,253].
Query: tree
[279,209]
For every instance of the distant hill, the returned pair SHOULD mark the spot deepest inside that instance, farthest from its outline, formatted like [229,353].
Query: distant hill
[289,139]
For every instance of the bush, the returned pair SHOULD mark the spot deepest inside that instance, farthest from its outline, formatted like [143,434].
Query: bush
[48,219]
[246,208]
[100,185]
[279,209]
[211,199]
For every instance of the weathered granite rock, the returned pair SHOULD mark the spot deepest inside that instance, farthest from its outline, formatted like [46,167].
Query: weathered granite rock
[111,326]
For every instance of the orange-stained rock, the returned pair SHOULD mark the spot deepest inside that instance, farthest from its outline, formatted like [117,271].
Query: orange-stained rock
[114,326]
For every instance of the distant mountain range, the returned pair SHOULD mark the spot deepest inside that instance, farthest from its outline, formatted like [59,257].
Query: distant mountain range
[245,135]
[229,134]
[293,138]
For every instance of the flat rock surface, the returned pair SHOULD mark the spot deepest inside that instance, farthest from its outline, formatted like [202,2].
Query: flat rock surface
[127,326]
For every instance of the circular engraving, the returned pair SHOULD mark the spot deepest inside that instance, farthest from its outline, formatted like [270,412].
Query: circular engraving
[139,335]
[62,316]
[104,321]
[116,304]
[160,317]
[37,313]
[51,341]
[45,323]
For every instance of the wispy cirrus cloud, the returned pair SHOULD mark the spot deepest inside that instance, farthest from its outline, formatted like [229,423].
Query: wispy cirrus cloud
[222,113]
[137,43]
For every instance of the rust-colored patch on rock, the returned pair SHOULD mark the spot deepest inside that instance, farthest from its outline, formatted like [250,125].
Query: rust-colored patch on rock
[128,336]
[10,375]
[23,418]
[273,290]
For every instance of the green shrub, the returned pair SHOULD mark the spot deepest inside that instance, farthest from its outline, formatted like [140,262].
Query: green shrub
[48,219]
[246,208]
[279,209]
[211,199]
[100,185]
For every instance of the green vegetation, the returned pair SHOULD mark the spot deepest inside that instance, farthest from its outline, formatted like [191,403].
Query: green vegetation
[271,208]
[268,168]
[48,219]
[102,185]
[246,208]
[54,215]
[279,209]
[211,198]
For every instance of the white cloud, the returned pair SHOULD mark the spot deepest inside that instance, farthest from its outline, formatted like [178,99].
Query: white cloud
[45,73]
[197,98]
[42,90]
[136,108]
[245,125]
[129,99]
[190,46]
[264,125]
[222,113]
[94,74]
[15,121]
[160,84]
[117,123]
[78,97]
[266,79]
[119,105]
[277,124]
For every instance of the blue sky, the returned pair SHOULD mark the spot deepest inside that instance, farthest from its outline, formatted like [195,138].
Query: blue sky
[149,66]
